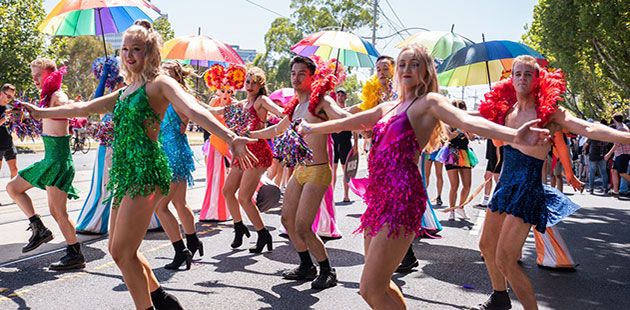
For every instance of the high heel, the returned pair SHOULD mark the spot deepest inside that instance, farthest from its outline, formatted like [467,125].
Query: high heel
[193,244]
[199,247]
[264,238]
[179,259]
[239,230]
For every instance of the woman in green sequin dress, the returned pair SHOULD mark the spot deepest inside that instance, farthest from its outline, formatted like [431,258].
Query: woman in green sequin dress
[140,175]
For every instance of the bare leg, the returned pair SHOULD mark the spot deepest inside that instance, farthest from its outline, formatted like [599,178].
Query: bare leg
[290,205]
[615,181]
[439,167]
[382,257]
[345,184]
[249,183]
[304,238]
[57,203]
[488,245]
[185,214]
[232,182]
[132,220]
[16,188]
[453,178]
[488,188]
[465,174]
[166,217]
[334,174]
[511,240]
[427,171]
[12,167]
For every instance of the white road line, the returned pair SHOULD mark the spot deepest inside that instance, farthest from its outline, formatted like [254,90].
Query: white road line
[478,223]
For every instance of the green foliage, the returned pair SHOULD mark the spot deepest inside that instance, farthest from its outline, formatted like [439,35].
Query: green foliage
[353,90]
[20,41]
[163,27]
[79,55]
[589,41]
[308,16]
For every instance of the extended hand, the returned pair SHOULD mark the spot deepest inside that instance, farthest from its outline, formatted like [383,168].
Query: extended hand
[34,111]
[239,149]
[577,185]
[531,136]
[304,129]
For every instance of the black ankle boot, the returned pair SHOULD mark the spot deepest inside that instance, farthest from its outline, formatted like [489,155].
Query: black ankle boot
[180,257]
[239,230]
[409,262]
[40,235]
[264,238]
[193,244]
[73,260]
[164,301]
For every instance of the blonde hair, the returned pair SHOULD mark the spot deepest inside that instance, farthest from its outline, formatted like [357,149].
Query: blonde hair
[528,60]
[181,73]
[143,31]
[427,85]
[258,75]
[44,63]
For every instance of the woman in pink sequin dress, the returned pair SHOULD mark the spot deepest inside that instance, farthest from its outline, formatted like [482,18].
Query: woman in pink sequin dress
[402,129]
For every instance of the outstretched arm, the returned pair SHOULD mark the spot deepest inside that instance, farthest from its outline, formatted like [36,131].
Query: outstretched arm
[444,111]
[333,111]
[99,105]
[360,121]
[270,106]
[272,131]
[594,131]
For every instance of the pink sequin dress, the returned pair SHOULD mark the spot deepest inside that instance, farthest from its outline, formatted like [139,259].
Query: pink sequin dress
[395,195]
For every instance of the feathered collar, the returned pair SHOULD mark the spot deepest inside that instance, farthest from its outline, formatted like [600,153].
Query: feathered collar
[319,89]
[52,83]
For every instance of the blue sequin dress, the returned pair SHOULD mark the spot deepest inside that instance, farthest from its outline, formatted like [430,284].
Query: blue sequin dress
[175,146]
[520,192]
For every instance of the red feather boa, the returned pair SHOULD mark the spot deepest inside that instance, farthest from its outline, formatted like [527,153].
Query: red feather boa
[548,92]
[319,89]
[52,83]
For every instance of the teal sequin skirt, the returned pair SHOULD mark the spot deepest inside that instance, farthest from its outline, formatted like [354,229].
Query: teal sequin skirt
[56,169]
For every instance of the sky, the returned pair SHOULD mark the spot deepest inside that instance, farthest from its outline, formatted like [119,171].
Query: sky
[245,22]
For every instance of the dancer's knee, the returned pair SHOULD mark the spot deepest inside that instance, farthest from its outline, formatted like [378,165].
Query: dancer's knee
[244,199]
[121,254]
[506,261]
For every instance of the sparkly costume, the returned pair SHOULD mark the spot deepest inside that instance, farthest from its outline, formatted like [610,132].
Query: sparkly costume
[520,193]
[56,169]
[395,194]
[175,146]
[456,154]
[260,148]
[139,166]
[317,174]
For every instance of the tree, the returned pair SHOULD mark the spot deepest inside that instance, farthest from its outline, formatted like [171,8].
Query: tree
[309,16]
[163,27]
[589,41]
[80,54]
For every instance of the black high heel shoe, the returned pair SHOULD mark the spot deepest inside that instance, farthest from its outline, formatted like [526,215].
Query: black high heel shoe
[179,259]
[198,247]
[239,230]
[264,238]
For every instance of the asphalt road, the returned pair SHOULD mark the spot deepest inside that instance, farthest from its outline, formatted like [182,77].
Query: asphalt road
[598,236]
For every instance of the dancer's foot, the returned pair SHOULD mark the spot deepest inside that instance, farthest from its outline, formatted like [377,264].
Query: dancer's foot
[164,301]
[462,213]
[408,263]
[239,230]
[301,273]
[326,279]
[194,244]
[499,300]
[451,216]
[438,201]
[264,239]
[40,234]
[72,260]
[181,257]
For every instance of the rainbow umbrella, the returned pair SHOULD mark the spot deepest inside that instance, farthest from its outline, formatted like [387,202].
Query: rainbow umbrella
[348,48]
[96,17]
[198,50]
[482,63]
[441,44]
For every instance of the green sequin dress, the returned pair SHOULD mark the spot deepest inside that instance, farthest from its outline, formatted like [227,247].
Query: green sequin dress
[56,169]
[139,166]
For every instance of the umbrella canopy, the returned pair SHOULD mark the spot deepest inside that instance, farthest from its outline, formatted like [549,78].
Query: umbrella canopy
[441,44]
[350,49]
[474,64]
[96,17]
[283,95]
[200,50]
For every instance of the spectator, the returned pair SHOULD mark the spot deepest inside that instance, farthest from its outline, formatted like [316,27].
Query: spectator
[596,151]
[621,157]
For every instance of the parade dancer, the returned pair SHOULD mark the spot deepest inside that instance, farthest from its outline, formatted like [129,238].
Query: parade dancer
[309,182]
[246,181]
[181,161]
[401,130]
[54,173]
[520,200]
[140,175]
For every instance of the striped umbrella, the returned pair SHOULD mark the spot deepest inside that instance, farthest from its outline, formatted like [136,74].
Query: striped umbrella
[198,50]
[441,44]
[348,48]
[482,63]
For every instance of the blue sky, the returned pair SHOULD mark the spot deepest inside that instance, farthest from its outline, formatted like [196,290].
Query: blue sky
[242,23]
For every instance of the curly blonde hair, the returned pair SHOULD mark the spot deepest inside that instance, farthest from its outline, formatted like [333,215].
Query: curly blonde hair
[180,72]
[427,85]
[258,75]
[143,31]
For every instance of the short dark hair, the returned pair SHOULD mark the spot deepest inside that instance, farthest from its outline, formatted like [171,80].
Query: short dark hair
[391,60]
[7,86]
[310,64]
[618,117]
